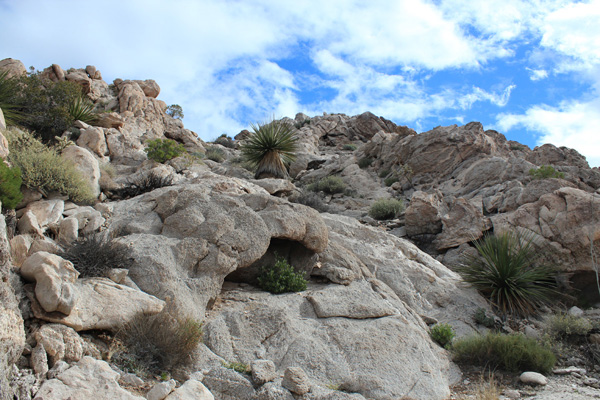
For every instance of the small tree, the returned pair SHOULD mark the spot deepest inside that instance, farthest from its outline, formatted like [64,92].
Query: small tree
[175,111]
[162,150]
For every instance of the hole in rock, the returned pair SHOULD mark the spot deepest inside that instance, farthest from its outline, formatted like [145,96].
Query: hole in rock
[586,289]
[301,258]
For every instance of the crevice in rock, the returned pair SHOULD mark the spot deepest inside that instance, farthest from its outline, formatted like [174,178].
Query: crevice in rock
[586,289]
[301,258]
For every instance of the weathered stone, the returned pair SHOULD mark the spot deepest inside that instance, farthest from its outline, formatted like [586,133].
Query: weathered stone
[58,368]
[28,223]
[54,279]
[86,163]
[54,73]
[88,379]
[80,77]
[103,304]
[533,378]
[575,311]
[131,380]
[3,142]
[422,216]
[193,390]
[12,67]
[263,371]
[39,360]
[93,139]
[226,384]
[273,391]
[47,212]
[93,72]
[44,244]
[19,248]
[68,230]
[296,380]
[161,390]
[60,343]
[149,87]
[131,97]
[109,120]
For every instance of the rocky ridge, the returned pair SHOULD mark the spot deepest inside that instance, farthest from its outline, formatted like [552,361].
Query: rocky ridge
[362,324]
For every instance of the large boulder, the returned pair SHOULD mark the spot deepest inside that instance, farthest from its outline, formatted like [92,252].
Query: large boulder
[13,68]
[149,87]
[86,163]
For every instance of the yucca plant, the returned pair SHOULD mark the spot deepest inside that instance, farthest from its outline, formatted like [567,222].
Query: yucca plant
[508,271]
[82,109]
[271,148]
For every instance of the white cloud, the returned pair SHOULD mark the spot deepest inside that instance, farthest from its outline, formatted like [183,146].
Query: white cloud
[572,124]
[478,94]
[537,74]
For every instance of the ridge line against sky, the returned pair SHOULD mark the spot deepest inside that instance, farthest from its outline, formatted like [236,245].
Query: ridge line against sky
[529,69]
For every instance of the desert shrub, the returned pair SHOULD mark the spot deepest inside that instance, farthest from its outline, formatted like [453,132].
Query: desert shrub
[487,390]
[390,180]
[175,111]
[45,104]
[482,318]
[162,150]
[330,184]
[82,109]
[42,168]
[238,367]
[386,209]
[9,89]
[508,273]
[215,153]
[240,162]
[365,162]
[281,278]
[545,172]
[142,184]
[300,124]
[513,353]
[271,148]
[312,200]
[383,173]
[154,343]
[565,326]
[95,255]
[225,141]
[349,147]
[10,186]
[442,334]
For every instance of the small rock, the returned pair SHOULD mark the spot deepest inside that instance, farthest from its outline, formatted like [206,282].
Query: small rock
[569,370]
[531,332]
[590,381]
[39,360]
[575,311]
[296,380]
[595,338]
[161,390]
[58,368]
[191,389]
[263,371]
[130,379]
[533,378]
[512,394]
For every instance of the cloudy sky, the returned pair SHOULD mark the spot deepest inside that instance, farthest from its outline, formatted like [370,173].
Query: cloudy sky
[529,69]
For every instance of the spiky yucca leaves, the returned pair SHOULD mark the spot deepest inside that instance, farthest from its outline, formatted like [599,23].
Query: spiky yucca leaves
[271,148]
[82,109]
[508,272]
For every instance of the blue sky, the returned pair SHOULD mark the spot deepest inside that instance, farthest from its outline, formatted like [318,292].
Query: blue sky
[529,69]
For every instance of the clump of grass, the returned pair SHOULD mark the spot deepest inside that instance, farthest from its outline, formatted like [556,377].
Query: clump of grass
[312,200]
[487,390]
[281,278]
[349,147]
[390,180]
[507,272]
[565,326]
[10,186]
[545,172]
[225,141]
[330,184]
[383,173]
[442,334]
[143,184]
[42,168]
[95,256]
[163,150]
[238,367]
[384,209]
[482,318]
[365,162]
[155,343]
[215,154]
[513,353]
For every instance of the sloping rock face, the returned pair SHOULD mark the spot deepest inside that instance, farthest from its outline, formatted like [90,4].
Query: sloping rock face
[186,239]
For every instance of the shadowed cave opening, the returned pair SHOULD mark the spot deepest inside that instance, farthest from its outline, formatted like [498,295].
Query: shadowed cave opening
[586,288]
[301,258]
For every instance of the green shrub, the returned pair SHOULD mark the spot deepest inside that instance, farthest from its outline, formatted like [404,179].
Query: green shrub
[482,318]
[238,367]
[365,162]
[564,326]
[9,89]
[163,150]
[215,153]
[383,173]
[281,278]
[95,256]
[154,343]
[442,334]
[390,180]
[271,148]
[82,109]
[514,353]
[175,111]
[545,172]
[349,146]
[330,184]
[10,186]
[386,209]
[225,141]
[507,272]
[42,168]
